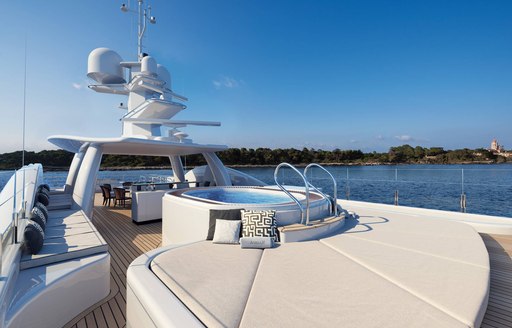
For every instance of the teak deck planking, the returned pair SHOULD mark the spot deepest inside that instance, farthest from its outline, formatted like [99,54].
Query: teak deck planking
[499,309]
[128,240]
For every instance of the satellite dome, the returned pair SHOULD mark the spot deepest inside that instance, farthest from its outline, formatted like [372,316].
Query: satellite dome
[164,75]
[148,66]
[104,66]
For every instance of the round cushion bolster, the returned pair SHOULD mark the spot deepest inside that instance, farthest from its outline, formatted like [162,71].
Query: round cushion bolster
[34,237]
[37,216]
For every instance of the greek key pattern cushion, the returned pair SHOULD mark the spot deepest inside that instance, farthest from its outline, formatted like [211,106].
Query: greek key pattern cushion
[259,224]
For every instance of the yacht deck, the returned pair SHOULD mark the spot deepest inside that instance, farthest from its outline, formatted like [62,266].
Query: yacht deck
[127,241]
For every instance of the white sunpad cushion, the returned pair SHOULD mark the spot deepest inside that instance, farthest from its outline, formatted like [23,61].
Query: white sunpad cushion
[227,232]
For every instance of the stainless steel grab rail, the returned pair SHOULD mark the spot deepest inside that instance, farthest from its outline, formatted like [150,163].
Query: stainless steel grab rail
[293,197]
[335,190]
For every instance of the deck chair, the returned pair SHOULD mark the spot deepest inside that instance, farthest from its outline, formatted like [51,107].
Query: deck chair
[120,197]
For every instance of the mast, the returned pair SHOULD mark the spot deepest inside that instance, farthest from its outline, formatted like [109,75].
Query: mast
[144,16]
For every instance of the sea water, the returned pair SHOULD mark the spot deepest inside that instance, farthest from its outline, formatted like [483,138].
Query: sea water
[488,188]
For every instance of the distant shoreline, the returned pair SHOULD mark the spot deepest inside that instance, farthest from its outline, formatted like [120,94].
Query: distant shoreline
[59,160]
[168,167]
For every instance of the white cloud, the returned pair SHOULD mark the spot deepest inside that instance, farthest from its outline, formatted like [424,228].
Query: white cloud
[77,86]
[404,137]
[380,137]
[227,82]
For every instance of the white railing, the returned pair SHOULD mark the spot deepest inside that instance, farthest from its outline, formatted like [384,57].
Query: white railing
[333,202]
[16,199]
[306,188]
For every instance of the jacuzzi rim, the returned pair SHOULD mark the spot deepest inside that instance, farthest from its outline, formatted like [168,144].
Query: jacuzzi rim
[181,194]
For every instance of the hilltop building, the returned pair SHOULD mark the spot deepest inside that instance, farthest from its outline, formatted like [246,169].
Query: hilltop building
[498,149]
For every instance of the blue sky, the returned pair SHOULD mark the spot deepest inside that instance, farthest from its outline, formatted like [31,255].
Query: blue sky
[325,74]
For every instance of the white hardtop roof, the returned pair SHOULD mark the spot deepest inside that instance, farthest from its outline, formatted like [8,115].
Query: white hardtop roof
[134,146]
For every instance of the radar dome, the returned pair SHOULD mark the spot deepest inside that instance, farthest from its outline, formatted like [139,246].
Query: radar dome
[104,66]
[148,66]
[164,75]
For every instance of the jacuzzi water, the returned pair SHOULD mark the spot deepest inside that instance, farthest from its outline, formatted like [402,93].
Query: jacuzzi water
[242,195]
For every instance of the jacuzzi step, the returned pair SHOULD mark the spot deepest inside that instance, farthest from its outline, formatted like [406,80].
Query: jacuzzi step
[316,229]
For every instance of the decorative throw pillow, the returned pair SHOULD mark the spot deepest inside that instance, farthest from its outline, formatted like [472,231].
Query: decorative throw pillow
[231,214]
[257,242]
[259,224]
[227,232]
[34,237]
[38,217]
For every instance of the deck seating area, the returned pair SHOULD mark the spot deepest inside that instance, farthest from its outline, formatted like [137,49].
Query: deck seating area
[74,257]
[127,241]
[69,235]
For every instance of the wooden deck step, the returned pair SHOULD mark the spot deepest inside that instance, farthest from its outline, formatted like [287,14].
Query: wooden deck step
[313,224]
[315,229]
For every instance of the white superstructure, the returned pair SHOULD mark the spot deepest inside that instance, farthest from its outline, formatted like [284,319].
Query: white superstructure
[148,125]
[338,263]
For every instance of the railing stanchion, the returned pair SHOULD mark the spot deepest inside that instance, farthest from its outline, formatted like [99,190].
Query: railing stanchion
[14,210]
[463,194]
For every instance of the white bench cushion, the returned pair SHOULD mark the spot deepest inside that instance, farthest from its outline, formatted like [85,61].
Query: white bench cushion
[66,238]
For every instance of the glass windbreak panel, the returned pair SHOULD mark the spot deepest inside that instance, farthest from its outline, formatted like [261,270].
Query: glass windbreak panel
[488,190]
[265,174]
[374,184]
[288,177]
[57,179]
[435,188]
[321,180]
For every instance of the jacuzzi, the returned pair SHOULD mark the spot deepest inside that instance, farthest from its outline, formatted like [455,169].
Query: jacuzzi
[242,195]
[186,212]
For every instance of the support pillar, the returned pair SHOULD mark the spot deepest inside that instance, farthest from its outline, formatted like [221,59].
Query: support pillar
[177,168]
[219,171]
[74,168]
[85,185]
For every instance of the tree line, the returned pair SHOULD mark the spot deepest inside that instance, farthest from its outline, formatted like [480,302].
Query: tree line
[406,154]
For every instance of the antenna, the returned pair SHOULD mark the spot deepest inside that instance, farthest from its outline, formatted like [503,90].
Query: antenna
[144,15]
[24,104]
[23,204]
